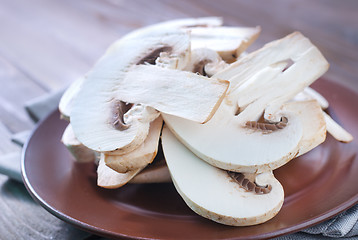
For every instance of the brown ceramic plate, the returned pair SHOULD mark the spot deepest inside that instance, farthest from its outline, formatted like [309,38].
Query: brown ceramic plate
[318,186]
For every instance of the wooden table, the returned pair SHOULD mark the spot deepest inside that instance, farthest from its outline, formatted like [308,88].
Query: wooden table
[46,44]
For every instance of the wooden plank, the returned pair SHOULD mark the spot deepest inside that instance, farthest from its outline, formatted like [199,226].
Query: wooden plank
[49,47]
[6,145]
[88,28]
[15,90]
[22,218]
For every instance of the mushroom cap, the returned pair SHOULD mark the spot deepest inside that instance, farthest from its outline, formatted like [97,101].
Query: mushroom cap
[211,193]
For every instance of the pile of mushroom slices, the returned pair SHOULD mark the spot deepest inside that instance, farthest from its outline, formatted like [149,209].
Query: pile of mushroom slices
[231,117]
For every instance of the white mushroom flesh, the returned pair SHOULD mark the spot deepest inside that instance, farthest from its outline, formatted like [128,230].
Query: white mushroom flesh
[173,91]
[211,193]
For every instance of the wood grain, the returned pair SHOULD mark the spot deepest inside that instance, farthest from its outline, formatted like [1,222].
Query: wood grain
[46,44]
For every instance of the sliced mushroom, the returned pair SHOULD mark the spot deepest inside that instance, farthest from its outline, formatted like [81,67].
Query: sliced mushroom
[80,152]
[173,91]
[228,42]
[213,194]
[139,157]
[337,131]
[93,108]
[263,81]
[65,105]
[259,84]
[238,148]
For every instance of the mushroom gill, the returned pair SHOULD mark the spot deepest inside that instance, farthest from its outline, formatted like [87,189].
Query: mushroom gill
[200,67]
[153,55]
[266,126]
[246,184]
[120,108]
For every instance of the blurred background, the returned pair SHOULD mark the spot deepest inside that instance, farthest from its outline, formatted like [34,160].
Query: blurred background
[46,44]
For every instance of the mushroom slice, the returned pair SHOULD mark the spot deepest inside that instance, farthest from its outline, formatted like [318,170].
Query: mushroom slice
[213,194]
[108,178]
[266,79]
[336,130]
[228,42]
[173,91]
[97,114]
[259,84]
[255,147]
[205,62]
[139,157]
[80,152]
[65,105]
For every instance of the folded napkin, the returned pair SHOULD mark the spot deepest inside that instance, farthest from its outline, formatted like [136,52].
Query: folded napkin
[344,225]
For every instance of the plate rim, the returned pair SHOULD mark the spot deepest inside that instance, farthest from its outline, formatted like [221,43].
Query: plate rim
[107,233]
